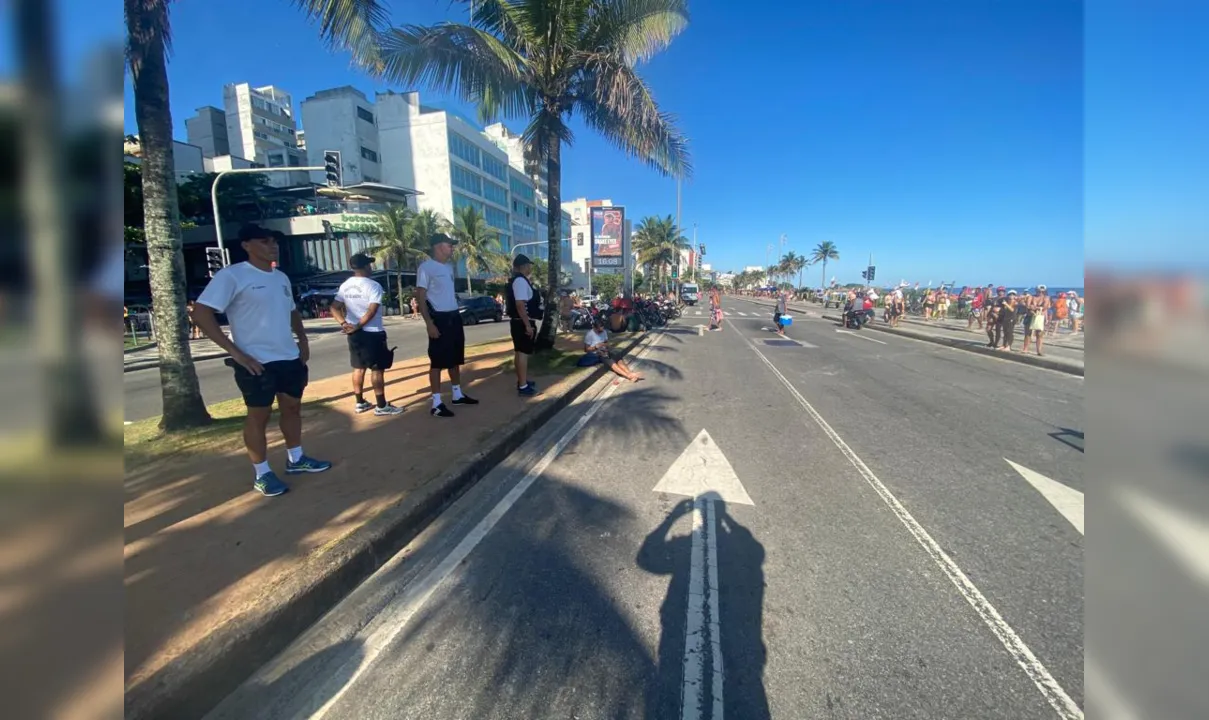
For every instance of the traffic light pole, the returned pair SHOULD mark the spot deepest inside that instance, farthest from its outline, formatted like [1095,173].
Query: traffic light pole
[214,193]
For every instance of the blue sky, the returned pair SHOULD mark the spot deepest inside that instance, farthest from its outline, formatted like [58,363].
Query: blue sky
[947,138]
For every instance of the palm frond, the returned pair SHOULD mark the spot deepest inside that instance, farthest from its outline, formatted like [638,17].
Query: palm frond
[460,60]
[617,103]
[147,22]
[635,30]
[353,25]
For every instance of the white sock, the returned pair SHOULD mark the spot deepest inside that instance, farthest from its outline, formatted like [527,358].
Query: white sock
[294,454]
[457,392]
[262,468]
[436,399]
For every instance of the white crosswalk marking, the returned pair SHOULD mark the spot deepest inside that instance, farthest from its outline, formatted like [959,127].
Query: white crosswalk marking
[743,314]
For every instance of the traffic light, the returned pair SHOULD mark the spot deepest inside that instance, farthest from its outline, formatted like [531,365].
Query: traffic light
[703,248]
[214,260]
[865,274]
[675,272]
[872,272]
[331,167]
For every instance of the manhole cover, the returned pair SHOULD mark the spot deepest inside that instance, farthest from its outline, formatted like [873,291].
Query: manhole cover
[783,343]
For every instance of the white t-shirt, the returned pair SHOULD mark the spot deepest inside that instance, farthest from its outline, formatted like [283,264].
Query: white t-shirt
[595,338]
[437,279]
[872,295]
[898,294]
[357,294]
[522,290]
[258,305]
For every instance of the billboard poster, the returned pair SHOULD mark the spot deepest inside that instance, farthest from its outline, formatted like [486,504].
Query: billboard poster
[608,225]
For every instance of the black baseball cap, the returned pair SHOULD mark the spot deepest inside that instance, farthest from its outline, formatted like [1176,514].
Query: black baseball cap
[252,231]
[438,238]
[521,261]
[359,261]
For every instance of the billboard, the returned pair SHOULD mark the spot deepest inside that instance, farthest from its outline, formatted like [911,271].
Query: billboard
[608,229]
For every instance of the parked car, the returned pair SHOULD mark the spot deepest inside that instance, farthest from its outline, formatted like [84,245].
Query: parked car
[475,310]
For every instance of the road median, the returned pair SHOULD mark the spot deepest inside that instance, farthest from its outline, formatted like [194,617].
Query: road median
[219,580]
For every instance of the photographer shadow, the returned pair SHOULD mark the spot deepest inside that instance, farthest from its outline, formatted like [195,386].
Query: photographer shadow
[740,561]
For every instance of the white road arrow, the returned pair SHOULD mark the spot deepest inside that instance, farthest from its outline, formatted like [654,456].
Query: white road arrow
[1065,500]
[703,473]
[1185,536]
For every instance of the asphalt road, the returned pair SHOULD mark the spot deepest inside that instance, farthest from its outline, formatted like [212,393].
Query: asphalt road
[329,356]
[891,562]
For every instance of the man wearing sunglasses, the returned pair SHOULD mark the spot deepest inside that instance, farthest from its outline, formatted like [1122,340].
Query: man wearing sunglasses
[269,365]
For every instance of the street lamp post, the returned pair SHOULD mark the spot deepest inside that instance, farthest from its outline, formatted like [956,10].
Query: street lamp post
[214,193]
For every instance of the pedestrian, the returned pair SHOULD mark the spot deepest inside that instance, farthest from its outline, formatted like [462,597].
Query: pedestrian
[566,301]
[194,331]
[715,310]
[438,303]
[992,310]
[524,309]
[268,363]
[1008,312]
[1036,318]
[596,345]
[415,309]
[782,309]
[358,310]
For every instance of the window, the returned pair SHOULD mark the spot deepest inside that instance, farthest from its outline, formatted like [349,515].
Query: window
[505,242]
[495,168]
[295,161]
[465,179]
[521,189]
[368,154]
[460,201]
[496,217]
[495,193]
[370,178]
[365,115]
[259,135]
[543,217]
[579,239]
[464,149]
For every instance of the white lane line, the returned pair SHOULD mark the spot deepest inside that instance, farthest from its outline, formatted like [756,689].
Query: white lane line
[1101,694]
[1058,699]
[415,596]
[1185,536]
[703,622]
[742,313]
[858,335]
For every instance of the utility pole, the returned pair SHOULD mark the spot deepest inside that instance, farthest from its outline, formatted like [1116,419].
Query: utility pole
[678,273]
[696,249]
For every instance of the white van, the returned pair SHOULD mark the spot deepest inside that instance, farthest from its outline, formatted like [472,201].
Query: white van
[689,293]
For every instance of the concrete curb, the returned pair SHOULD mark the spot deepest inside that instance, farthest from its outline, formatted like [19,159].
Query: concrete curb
[1069,367]
[193,684]
[145,364]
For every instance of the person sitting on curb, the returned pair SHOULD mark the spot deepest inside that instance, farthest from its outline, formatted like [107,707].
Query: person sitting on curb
[596,347]
[268,363]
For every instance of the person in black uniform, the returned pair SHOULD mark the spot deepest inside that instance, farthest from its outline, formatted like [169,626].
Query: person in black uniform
[525,309]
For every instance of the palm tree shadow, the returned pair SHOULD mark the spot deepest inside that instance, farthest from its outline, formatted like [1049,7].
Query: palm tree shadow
[741,614]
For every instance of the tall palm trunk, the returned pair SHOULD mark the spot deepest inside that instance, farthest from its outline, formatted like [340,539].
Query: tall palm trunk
[553,236]
[182,400]
[824,282]
[73,416]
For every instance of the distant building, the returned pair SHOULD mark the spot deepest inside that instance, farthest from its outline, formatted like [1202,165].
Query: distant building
[261,127]
[208,131]
[187,159]
[342,119]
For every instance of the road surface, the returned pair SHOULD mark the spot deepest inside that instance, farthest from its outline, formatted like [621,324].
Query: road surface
[843,526]
[329,356]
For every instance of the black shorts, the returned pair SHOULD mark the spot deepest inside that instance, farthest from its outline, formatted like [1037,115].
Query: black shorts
[521,342]
[449,350]
[368,350]
[286,377]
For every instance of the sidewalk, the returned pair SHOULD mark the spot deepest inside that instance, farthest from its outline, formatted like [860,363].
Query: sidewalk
[1064,354]
[218,578]
[203,349]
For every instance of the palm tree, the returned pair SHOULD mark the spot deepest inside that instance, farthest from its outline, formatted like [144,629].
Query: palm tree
[478,245]
[398,243]
[659,243]
[823,252]
[343,24]
[794,263]
[547,60]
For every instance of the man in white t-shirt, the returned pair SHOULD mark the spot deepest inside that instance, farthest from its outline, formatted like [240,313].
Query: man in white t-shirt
[596,345]
[259,304]
[438,303]
[358,309]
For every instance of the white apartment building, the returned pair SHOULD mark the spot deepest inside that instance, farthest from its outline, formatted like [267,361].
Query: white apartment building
[450,162]
[186,159]
[342,119]
[261,127]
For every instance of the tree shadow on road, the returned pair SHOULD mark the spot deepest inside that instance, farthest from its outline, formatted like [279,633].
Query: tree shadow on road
[741,605]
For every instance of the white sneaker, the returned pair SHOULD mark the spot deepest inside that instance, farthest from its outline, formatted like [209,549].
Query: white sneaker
[388,410]
[363,407]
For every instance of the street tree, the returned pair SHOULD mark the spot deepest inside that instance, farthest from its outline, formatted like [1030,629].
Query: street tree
[478,245]
[397,242]
[546,60]
[659,244]
[343,24]
[823,252]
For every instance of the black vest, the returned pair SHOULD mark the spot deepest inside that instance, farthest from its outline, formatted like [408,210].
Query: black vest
[533,306]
